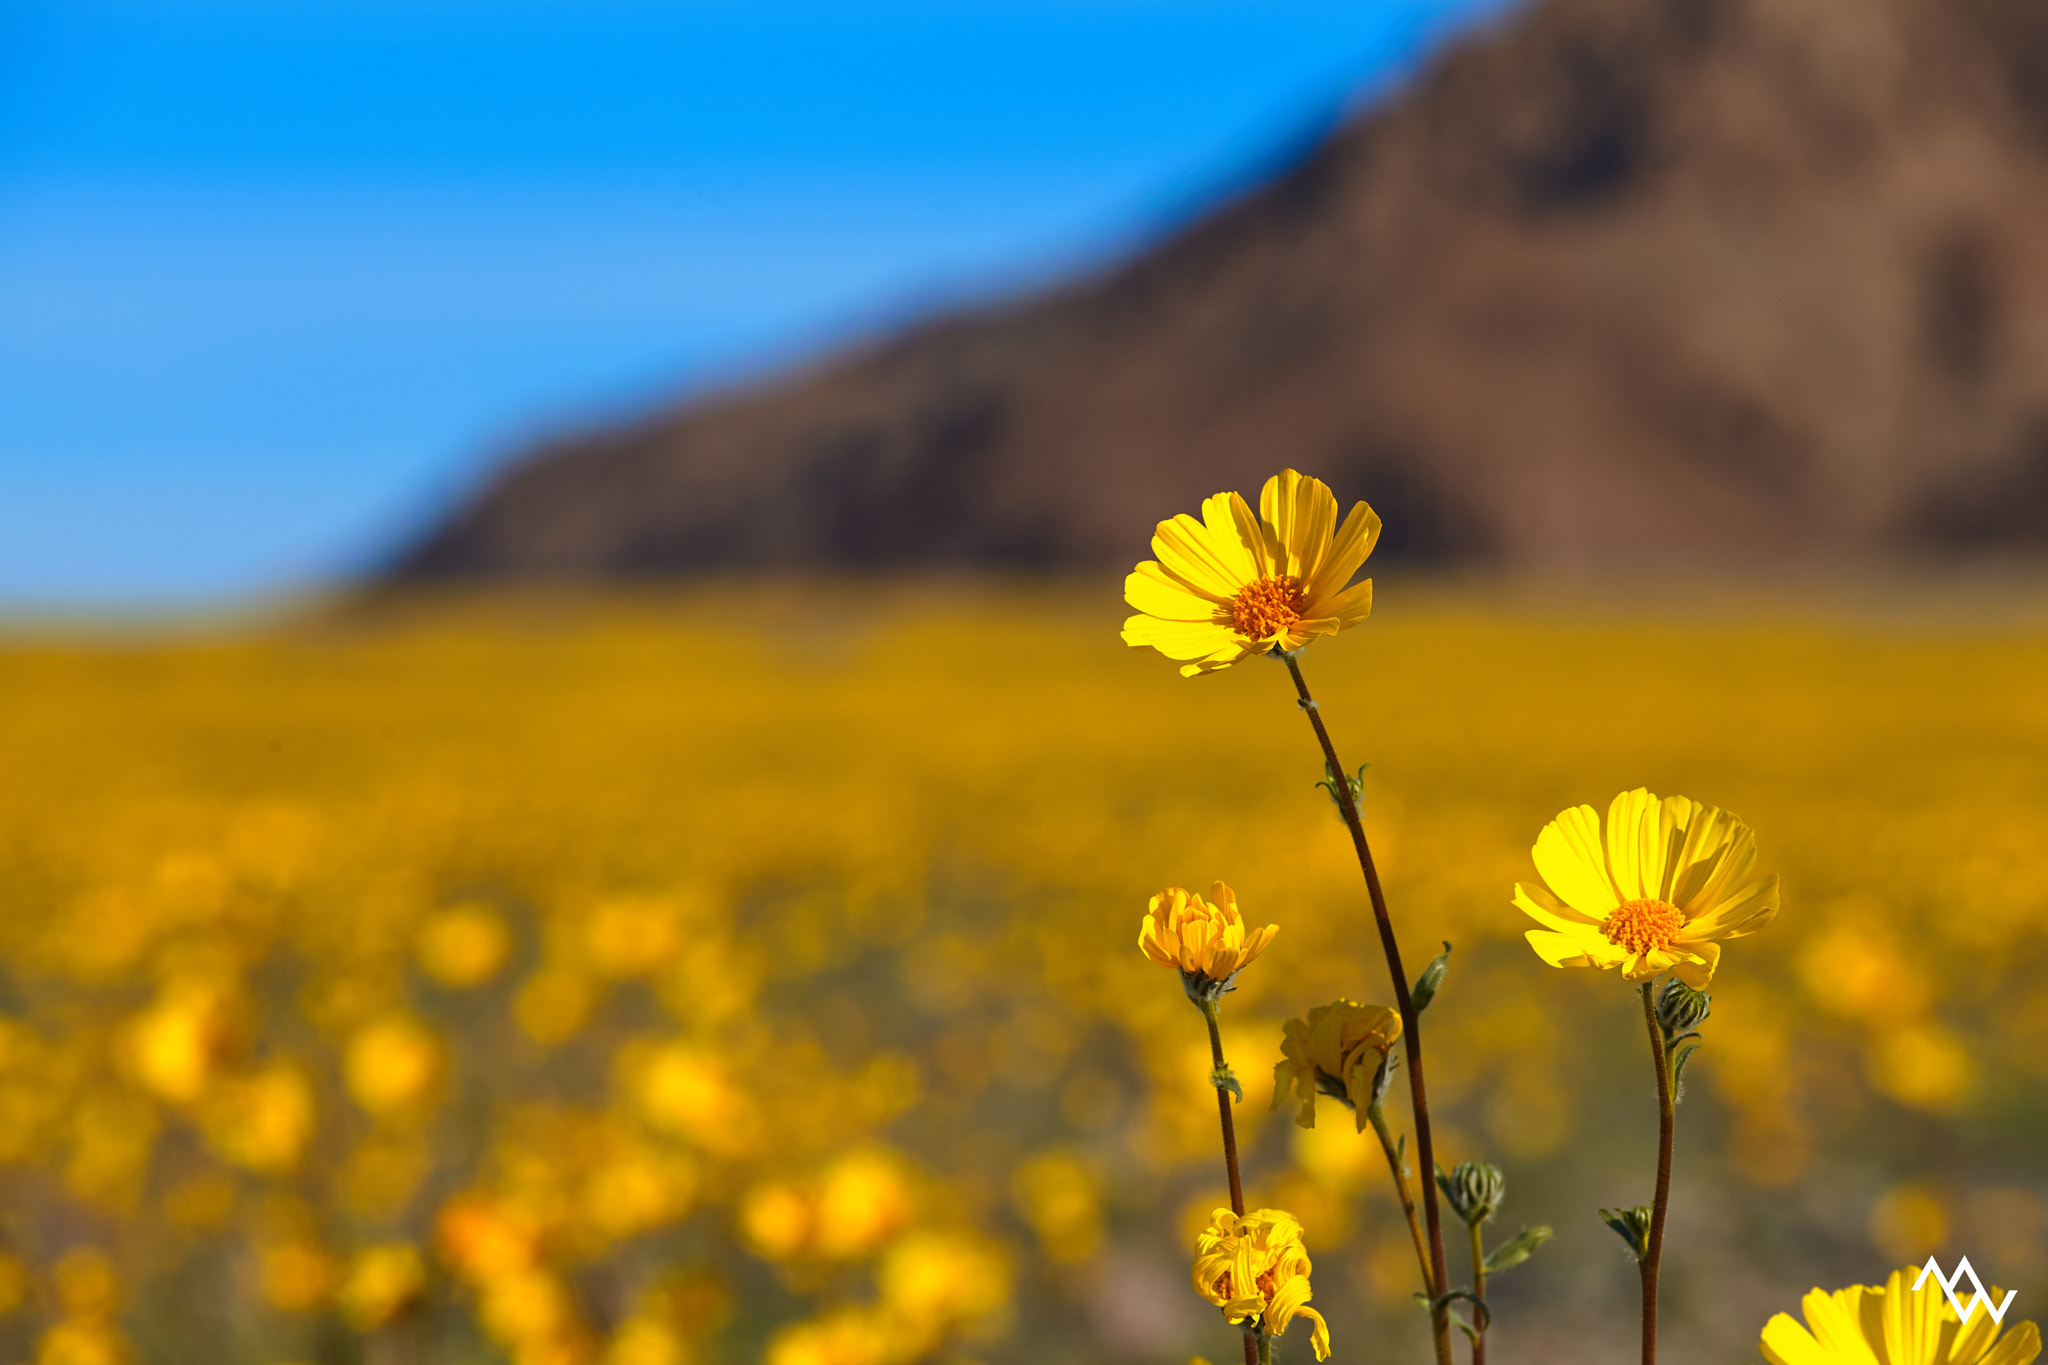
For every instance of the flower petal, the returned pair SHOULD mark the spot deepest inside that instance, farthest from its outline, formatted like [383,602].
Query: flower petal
[1349,548]
[1538,904]
[1300,513]
[1231,522]
[2020,1347]
[1190,550]
[1569,855]
[1785,1342]
[1152,590]
[1182,639]
[1573,949]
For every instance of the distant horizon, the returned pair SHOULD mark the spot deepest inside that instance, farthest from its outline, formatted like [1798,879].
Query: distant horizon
[274,287]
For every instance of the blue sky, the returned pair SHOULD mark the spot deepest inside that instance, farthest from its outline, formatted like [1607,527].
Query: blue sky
[279,280]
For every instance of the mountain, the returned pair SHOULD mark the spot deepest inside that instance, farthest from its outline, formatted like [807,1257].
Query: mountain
[1615,284]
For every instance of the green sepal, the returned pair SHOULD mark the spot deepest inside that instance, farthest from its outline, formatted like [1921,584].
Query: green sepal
[1431,979]
[1632,1226]
[1678,1061]
[1516,1249]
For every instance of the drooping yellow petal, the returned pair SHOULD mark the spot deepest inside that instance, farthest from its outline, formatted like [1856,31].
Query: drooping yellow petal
[1696,966]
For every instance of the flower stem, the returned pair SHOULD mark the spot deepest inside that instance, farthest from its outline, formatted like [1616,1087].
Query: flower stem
[1265,1350]
[1254,1353]
[1479,1293]
[1411,1030]
[1209,1013]
[1379,1126]
[1653,1253]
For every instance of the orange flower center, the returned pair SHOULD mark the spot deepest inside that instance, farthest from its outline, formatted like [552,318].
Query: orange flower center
[1263,609]
[1643,925]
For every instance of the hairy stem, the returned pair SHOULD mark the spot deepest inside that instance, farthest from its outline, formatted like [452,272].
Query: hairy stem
[1411,1029]
[1210,1014]
[1479,1293]
[1379,1125]
[1653,1254]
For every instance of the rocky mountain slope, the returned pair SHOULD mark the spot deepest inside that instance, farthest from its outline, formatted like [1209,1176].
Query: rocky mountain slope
[1618,284]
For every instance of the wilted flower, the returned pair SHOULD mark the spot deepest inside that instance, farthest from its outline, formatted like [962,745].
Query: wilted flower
[1895,1325]
[1339,1050]
[1256,1270]
[1669,879]
[1205,940]
[1232,585]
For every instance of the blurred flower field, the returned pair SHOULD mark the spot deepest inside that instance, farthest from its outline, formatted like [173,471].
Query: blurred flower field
[752,976]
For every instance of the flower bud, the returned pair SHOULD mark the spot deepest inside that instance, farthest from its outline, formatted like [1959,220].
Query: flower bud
[1680,1008]
[1474,1188]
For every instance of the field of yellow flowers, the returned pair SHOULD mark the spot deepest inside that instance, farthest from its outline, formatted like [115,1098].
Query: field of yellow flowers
[752,975]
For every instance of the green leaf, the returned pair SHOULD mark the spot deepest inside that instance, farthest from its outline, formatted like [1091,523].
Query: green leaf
[1444,1301]
[1516,1249]
[1223,1079]
[1431,979]
[1401,1154]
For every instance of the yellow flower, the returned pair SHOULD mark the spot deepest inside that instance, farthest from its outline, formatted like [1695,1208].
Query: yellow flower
[1669,880]
[1232,585]
[1337,1051]
[1256,1270]
[1205,940]
[1895,1325]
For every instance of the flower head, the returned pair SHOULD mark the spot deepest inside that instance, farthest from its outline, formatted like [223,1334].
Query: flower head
[1232,584]
[1204,939]
[1256,1270]
[1340,1050]
[1656,893]
[1895,1325]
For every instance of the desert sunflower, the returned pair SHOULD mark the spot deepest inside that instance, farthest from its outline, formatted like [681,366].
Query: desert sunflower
[1894,1325]
[1205,940]
[1339,1050]
[1656,893]
[1233,584]
[1256,1270]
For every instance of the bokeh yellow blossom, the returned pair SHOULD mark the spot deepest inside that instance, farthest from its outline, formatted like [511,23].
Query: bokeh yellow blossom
[1337,1050]
[1205,940]
[1669,879]
[1896,1324]
[380,1282]
[1256,1270]
[1233,584]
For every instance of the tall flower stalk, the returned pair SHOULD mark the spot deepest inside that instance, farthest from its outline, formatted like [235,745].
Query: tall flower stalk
[1655,892]
[1346,795]
[1233,585]
[1207,943]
